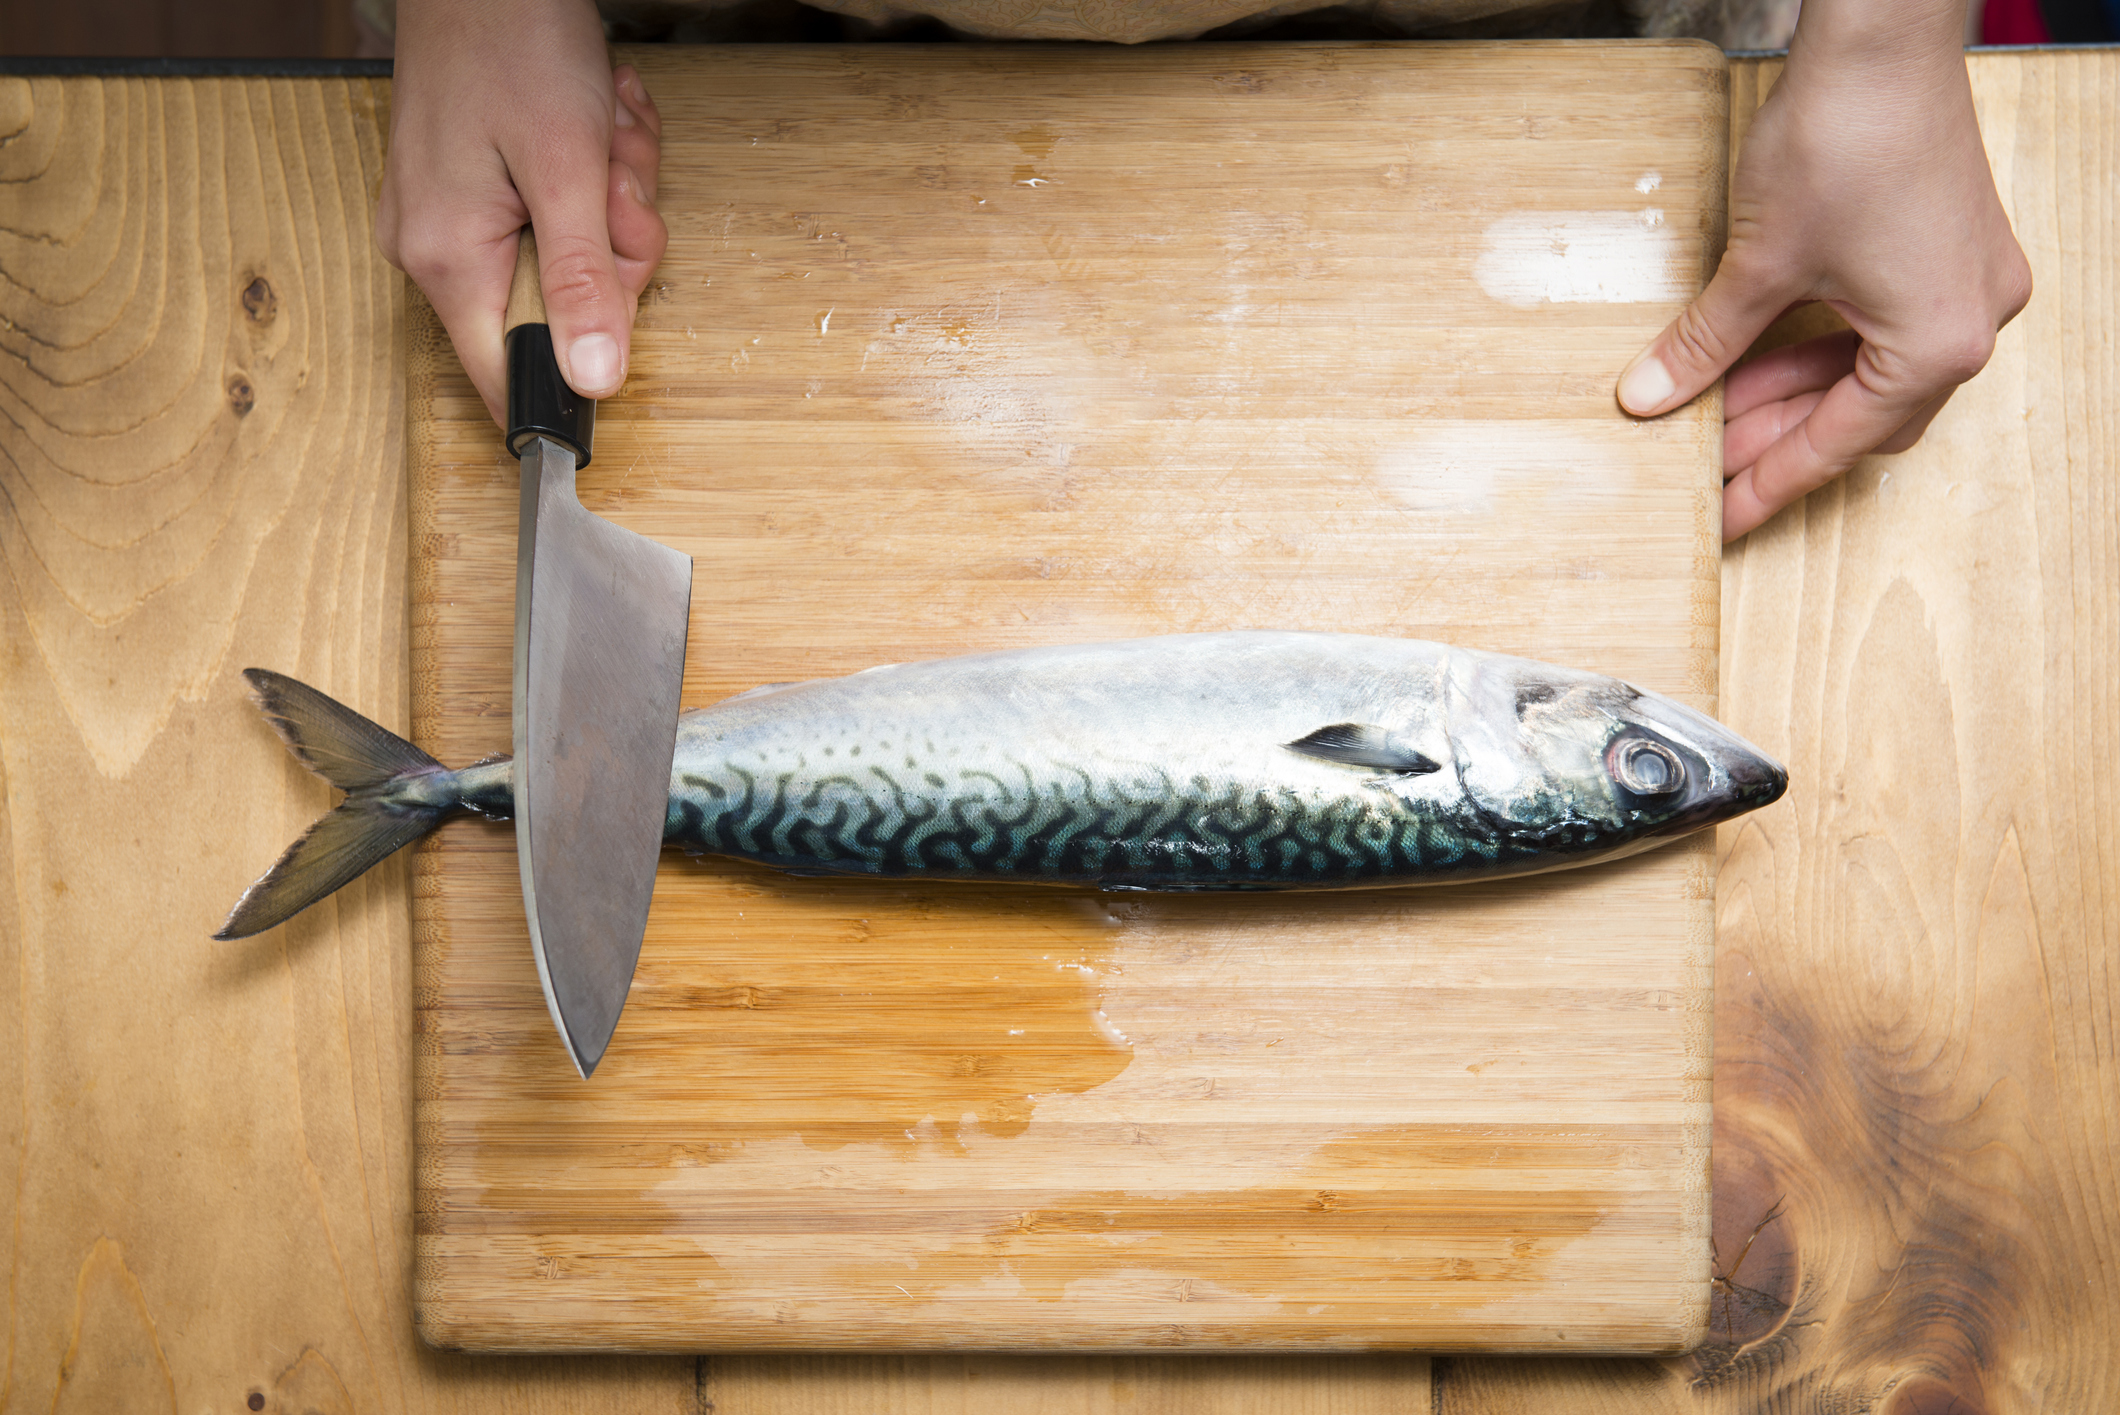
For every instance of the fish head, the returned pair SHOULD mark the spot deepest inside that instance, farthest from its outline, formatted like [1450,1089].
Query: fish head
[1582,761]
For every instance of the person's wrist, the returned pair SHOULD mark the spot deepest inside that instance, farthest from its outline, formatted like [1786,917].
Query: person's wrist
[1879,39]
[523,24]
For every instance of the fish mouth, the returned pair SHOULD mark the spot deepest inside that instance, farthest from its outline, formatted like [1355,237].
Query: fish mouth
[1747,782]
[1757,780]
[1741,778]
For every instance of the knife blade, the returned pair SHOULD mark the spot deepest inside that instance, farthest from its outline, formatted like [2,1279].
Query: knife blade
[600,623]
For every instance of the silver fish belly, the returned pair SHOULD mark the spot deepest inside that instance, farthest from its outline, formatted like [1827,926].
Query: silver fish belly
[1237,761]
[1224,761]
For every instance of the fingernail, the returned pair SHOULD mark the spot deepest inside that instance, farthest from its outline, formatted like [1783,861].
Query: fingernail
[592,365]
[1644,387]
[621,114]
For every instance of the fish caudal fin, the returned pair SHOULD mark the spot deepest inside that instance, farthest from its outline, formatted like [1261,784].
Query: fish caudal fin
[385,808]
[331,739]
[340,847]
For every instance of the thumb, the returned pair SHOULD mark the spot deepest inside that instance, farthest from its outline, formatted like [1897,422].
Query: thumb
[1702,342]
[588,308]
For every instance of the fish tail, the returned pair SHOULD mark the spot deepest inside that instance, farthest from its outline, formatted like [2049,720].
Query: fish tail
[395,793]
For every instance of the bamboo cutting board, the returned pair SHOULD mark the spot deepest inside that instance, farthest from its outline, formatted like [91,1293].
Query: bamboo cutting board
[973,348]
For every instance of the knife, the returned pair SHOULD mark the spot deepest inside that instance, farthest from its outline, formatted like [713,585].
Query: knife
[600,621]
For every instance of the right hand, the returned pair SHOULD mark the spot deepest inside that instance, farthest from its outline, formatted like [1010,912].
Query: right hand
[1863,183]
[505,115]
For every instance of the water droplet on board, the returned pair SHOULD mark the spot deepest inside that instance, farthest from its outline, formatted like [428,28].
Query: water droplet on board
[1111,1033]
[1037,140]
[1649,182]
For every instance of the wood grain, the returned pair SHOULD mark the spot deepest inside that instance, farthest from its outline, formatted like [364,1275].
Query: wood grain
[1915,1075]
[1255,336]
[201,454]
[119,1132]
[526,297]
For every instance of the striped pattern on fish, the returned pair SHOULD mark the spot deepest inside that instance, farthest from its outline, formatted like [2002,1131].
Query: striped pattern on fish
[1234,761]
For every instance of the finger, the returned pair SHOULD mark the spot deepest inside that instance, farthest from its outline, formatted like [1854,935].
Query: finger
[1747,436]
[470,302]
[465,277]
[638,235]
[588,307]
[1705,339]
[635,135]
[1856,415]
[1810,367]
[461,254]
[633,89]
[1911,430]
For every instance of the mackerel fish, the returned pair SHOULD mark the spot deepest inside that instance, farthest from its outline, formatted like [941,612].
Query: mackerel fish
[1228,761]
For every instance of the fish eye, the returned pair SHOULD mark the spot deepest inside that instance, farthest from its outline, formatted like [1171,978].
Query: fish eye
[1645,767]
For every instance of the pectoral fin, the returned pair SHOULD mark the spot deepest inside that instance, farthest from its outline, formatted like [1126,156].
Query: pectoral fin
[1360,744]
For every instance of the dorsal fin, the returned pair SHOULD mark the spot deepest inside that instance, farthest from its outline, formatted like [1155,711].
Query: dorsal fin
[1360,744]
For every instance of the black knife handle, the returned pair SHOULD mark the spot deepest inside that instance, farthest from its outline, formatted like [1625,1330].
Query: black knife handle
[540,404]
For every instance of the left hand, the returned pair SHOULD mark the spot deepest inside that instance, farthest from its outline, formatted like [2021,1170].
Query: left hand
[1862,183]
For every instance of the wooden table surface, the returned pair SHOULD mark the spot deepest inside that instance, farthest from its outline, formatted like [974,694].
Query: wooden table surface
[201,460]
